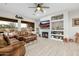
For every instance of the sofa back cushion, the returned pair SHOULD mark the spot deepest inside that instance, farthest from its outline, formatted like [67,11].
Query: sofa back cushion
[23,33]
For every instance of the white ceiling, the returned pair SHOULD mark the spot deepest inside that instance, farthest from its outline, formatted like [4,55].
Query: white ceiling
[22,8]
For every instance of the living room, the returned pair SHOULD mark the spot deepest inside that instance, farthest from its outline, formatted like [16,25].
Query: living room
[39,29]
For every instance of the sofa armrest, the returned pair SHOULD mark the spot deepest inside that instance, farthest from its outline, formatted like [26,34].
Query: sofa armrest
[11,47]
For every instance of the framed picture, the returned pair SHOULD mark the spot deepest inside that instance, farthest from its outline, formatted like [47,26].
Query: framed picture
[75,22]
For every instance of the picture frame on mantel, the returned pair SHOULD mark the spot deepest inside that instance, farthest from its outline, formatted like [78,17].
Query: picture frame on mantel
[75,22]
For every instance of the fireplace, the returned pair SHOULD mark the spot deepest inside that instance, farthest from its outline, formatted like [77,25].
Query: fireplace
[45,34]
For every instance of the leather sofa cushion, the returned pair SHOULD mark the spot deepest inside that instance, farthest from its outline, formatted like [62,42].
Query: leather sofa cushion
[13,40]
[23,33]
[3,43]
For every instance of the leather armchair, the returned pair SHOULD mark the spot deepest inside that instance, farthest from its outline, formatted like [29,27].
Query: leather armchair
[16,49]
[11,47]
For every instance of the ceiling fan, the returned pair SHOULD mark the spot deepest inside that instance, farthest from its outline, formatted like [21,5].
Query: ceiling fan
[39,7]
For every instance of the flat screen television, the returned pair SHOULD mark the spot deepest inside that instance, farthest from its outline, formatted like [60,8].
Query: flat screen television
[45,24]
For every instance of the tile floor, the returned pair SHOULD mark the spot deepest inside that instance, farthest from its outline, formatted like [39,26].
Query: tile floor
[47,47]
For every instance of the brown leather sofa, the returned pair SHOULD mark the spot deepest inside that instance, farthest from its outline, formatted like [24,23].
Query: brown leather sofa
[26,37]
[11,47]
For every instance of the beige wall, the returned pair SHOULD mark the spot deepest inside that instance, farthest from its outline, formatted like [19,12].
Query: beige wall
[73,30]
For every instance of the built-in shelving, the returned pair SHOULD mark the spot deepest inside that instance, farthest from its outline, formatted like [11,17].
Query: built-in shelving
[57,20]
[57,30]
[57,34]
[57,27]
[54,27]
[56,39]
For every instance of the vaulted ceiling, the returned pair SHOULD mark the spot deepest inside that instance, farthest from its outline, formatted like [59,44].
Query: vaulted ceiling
[24,10]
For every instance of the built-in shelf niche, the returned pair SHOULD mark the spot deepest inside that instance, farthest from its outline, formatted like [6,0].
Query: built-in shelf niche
[57,17]
[57,32]
[58,25]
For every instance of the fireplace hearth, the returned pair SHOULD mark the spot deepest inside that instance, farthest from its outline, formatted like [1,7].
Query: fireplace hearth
[45,34]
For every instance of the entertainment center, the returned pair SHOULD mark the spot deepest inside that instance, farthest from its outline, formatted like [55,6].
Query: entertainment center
[54,26]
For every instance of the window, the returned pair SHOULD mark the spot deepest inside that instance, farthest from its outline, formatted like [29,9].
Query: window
[6,24]
[23,25]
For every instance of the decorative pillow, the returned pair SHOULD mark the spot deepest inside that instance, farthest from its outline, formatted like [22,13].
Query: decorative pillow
[3,43]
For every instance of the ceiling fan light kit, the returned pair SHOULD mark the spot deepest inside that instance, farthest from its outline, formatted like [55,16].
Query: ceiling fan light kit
[38,8]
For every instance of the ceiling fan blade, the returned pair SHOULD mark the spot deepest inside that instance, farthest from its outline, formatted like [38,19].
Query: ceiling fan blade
[35,10]
[41,10]
[45,7]
[38,3]
[31,7]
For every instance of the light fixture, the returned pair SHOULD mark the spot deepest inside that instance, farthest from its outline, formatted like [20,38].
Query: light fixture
[38,8]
